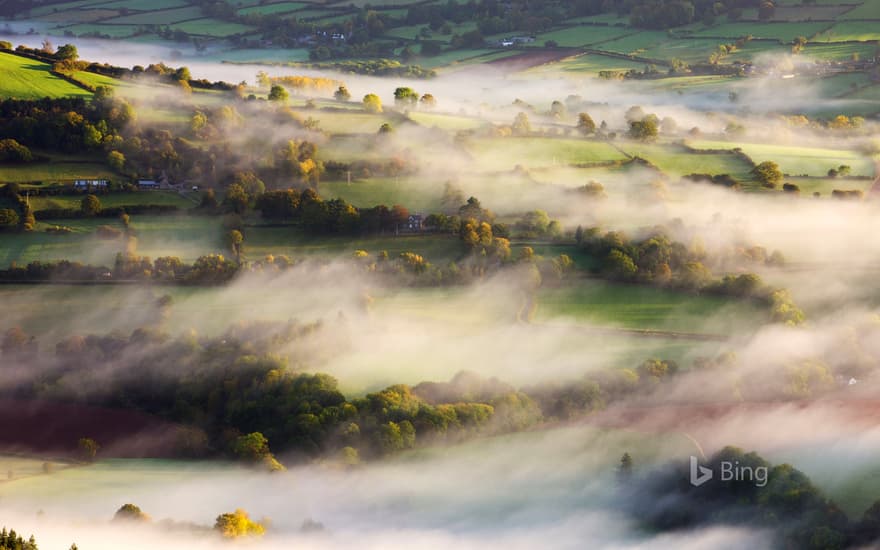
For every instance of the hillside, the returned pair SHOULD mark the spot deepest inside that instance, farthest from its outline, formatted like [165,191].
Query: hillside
[25,78]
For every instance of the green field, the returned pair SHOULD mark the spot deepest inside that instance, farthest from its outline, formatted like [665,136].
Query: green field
[270,9]
[445,121]
[416,194]
[25,78]
[824,186]
[635,44]
[348,123]
[261,241]
[796,161]
[582,35]
[689,50]
[113,199]
[861,31]
[676,161]
[80,16]
[144,5]
[839,51]
[507,153]
[160,17]
[587,63]
[785,32]
[211,27]
[14,468]
[186,236]
[113,31]
[643,307]
[870,9]
[53,172]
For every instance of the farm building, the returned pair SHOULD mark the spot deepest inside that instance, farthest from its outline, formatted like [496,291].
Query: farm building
[161,183]
[413,224]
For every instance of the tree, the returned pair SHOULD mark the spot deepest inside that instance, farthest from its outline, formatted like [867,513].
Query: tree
[238,524]
[251,184]
[768,173]
[428,101]
[236,198]
[67,52]
[405,97]
[625,469]
[183,74]
[372,103]
[209,199]
[386,128]
[766,10]
[87,449]
[342,94]
[620,265]
[585,124]
[234,240]
[252,447]
[521,125]
[90,205]
[116,160]
[13,151]
[130,512]
[645,129]
[279,93]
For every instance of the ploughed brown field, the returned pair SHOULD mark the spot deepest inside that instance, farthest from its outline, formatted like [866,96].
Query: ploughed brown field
[51,428]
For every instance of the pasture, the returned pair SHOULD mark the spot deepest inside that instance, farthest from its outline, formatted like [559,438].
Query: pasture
[824,186]
[635,44]
[51,172]
[583,35]
[861,31]
[416,194]
[676,161]
[530,152]
[445,121]
[640,307]
[160,17]
[272,9]
[868,10]
[169,198]
[211,27]
[25,78]
[186,236]
[797,161]
[783,32]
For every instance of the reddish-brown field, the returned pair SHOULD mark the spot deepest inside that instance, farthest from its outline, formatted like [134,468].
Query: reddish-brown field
[54,429]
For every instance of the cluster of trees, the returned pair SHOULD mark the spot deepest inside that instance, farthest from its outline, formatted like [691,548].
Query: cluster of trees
[238,393]
[71,125]
[777,497]
[10,540]
[658,260]
[210,269]
[335,216]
